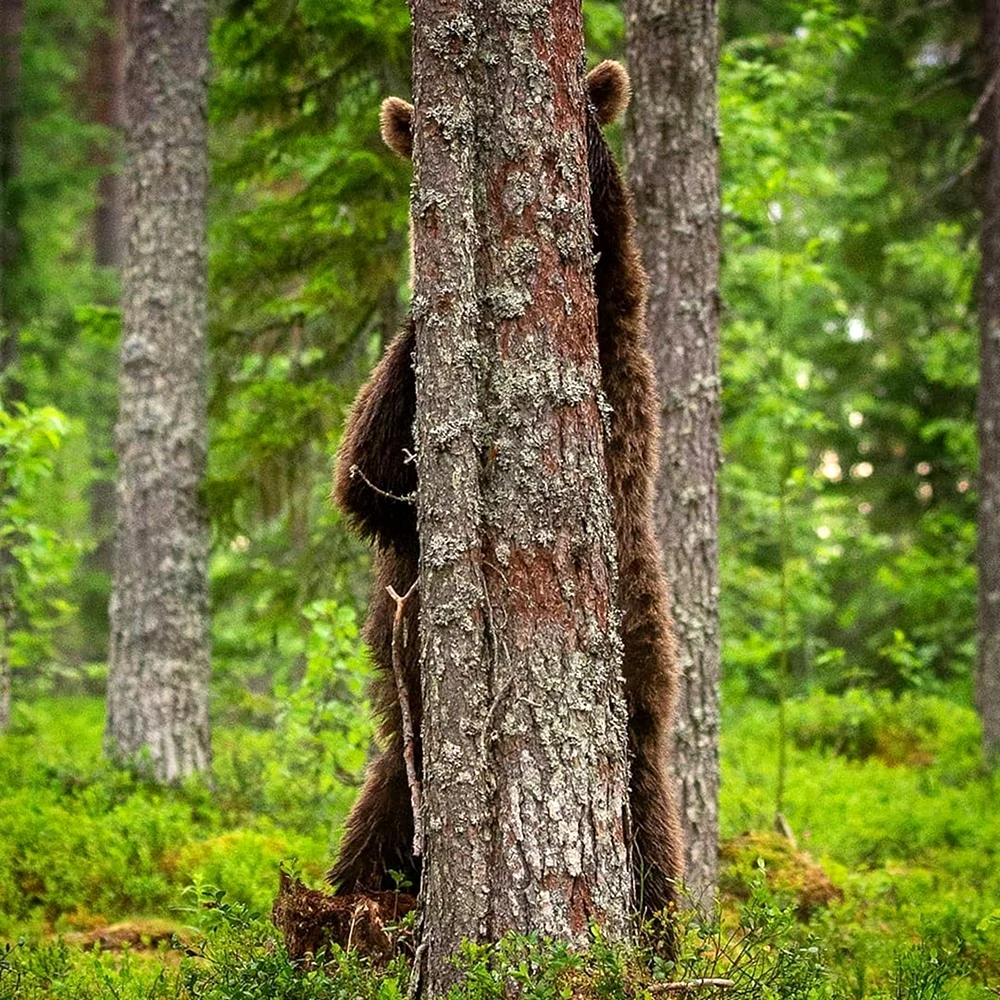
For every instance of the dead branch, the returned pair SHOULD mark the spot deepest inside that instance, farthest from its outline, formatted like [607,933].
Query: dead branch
[417,971]
[399,640]
[355,470]
[692,984]
[984,99]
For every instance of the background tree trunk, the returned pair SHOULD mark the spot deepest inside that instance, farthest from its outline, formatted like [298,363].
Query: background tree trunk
[988,677]
[11,196]
[159,662]
[11,256]
[672,156]
[106,94]
[524,727]
[106,84]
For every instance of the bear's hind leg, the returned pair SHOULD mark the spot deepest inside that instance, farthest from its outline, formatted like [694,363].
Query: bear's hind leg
[657,840]
[378,838]
[657,864]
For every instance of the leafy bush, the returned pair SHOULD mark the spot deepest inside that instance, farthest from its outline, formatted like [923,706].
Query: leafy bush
[907,730]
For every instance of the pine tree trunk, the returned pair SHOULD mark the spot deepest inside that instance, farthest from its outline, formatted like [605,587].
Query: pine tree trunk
[672,156]
[106,86]
[159,662]
[524,727]
[988,674]
[11,255]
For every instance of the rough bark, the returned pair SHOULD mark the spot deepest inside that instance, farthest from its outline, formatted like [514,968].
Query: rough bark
[159,657]
[11,255]
[988,672]
[672,156]
[106,87]
[524,726]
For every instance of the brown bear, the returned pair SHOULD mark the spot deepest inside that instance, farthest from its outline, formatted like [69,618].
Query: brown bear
[374,485]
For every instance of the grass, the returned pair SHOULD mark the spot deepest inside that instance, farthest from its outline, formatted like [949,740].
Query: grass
[892,891]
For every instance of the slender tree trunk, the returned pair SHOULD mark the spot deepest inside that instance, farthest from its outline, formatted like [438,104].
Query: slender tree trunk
[988,675]
[106,96]
[12,247]
[159,662]
[672,155]
[11,257]
[524,725]
[106,85]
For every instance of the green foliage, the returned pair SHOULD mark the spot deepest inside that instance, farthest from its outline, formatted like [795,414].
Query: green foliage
[848,363]
[309,762]
[308,247]
[80,841]
[909,730]
[57,172]
[34,559]
[55,185]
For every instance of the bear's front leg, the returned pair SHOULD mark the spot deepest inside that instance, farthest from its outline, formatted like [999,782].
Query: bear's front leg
[376,478]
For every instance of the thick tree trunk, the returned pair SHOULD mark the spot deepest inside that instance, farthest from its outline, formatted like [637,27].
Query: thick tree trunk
[11,255]
[524,727]
[159,662]
[988,676]
[672,156]
[106,79]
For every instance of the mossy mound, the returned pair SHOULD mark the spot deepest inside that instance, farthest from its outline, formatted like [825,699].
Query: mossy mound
[136,934]
[790,874]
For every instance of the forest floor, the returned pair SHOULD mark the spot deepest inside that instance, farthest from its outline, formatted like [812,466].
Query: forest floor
[110,887]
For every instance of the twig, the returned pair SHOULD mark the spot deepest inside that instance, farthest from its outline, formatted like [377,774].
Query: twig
[692,984]
[782,826]
[354,922]
[399,638]
[984,99]
[355,470]
[505,687]
[417,971]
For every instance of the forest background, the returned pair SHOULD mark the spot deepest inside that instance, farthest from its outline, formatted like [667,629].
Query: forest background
[847,520]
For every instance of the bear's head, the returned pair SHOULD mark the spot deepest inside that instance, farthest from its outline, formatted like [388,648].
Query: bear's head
[608,93]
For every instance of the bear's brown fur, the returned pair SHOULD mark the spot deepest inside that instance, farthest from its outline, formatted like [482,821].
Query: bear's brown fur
[375,482]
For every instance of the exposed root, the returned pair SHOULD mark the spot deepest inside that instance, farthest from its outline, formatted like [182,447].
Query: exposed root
[365,922]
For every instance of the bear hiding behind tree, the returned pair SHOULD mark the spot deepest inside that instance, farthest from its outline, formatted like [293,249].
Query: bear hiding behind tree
[375,483]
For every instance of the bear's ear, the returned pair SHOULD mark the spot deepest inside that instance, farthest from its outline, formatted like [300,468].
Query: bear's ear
[396,119]
[609,90]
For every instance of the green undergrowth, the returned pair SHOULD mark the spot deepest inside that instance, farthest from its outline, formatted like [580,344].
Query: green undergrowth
[110,887]
[83,845]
